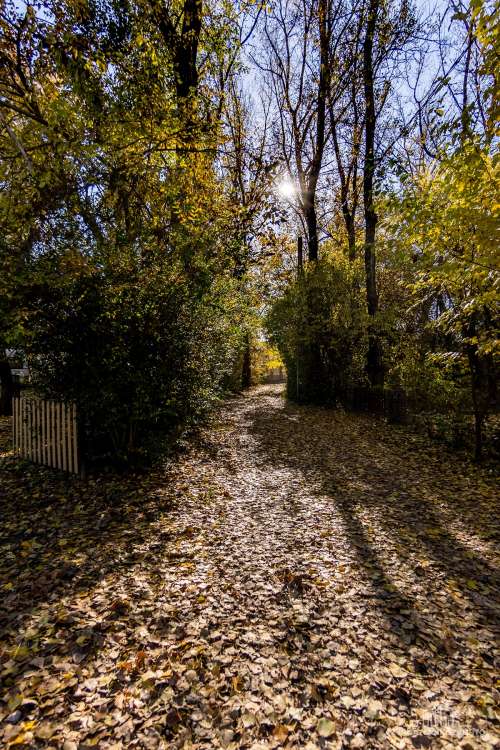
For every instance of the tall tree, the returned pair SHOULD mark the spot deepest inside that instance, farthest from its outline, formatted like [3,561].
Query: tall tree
[346,121]
[181,34]
[374,364]
[100,135]
[297,38]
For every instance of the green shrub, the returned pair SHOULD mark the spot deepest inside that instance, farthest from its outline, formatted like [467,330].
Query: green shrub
[142,350]
[317,326]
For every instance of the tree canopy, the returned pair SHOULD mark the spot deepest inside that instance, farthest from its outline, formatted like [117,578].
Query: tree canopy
[145,245]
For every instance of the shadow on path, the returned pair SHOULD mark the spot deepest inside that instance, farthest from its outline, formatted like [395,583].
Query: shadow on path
[373,476]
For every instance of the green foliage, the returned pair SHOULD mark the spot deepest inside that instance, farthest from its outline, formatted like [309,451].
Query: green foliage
[452,217]
[116,228]
[140,351]
[317,326]
[450,221]
[445,225]
[130,270]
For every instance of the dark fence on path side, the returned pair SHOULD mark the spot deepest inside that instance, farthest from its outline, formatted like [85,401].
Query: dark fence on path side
[456,429]
[389,402]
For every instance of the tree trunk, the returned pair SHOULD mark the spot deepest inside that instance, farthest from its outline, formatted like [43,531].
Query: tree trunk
[351,233]
[300,255]
[483,390]
[312,229]
[183,45]
[348,213]
[477,387]
[309,195]
[246,371]
[478,435]
[374,365]
[185,59]
[483,385]
[7,389]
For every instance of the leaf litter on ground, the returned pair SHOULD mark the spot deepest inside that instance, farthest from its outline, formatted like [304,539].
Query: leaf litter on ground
[298,578]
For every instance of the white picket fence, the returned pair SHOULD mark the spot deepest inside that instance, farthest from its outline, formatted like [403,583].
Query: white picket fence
[45,432]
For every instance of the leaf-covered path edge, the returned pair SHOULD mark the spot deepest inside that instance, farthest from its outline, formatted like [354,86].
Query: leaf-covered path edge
[298,578]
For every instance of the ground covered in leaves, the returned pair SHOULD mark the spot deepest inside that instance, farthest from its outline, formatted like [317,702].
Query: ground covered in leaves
[297,578]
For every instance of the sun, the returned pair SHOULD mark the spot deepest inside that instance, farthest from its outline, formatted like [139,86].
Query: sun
[287,189]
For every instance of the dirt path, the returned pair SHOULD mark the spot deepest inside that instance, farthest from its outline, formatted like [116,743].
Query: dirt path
[300,579]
